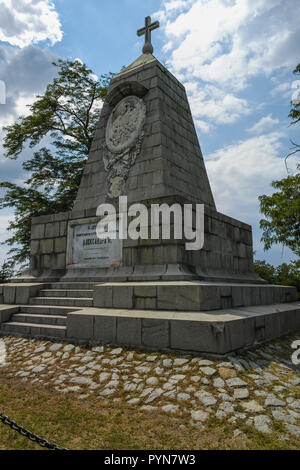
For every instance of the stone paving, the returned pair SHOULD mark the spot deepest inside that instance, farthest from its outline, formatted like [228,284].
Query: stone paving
[259,387]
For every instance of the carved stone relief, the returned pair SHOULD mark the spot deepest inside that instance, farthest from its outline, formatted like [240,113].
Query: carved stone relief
[124,137]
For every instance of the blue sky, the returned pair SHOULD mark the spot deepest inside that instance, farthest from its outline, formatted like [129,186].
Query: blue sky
[235,58]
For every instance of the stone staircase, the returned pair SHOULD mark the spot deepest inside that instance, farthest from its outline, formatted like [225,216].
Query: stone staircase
[46,315]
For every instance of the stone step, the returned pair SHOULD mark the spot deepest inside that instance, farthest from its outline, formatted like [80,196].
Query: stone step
[47,310]
[66,293]
[33,330]
[189,296]
[72,285]
[34,318]
[62,301]
[215,332]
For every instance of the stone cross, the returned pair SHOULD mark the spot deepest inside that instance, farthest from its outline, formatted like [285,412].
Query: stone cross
[148,48]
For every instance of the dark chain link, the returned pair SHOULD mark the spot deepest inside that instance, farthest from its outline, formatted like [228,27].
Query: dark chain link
[32,437]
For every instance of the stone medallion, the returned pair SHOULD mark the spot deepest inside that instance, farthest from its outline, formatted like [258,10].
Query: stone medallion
[125,124]
[124,136]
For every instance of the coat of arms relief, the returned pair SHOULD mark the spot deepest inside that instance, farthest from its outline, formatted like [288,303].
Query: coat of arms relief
[124,137]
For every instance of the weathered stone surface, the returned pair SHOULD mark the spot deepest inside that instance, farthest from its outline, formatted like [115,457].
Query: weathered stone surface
[170,408]
[262,423]
[209,371]
[134,377]
[180,362]
[206,398]
[293,429]
[219,383]
[296,404]
[279,416]
[167,362]
[272,400]
[152,381]
[55,347]
[205,363]
[226,407]
[154,395]
[81,380]
[155,333]
[199,415]
[177,378]
[241,393]
[104,376]
[183,397]
[227,373]
[236,382]
[252,406]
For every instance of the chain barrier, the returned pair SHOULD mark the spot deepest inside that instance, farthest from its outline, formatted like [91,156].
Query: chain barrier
[32,437]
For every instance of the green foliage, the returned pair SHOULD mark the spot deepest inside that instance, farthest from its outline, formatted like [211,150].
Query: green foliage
[6,271]
[265,271]
[282,212]
[282,209]
[67,115]
[282,275]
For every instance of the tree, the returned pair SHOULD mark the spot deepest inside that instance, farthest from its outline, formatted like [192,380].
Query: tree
[282,208]
[284,274]
[67,115]
[265,270]
[6,271]
[289,274]
[282,212]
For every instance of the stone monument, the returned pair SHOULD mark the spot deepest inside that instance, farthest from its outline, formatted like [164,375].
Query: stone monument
[145,292]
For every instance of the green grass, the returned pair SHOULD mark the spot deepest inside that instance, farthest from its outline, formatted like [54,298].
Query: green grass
[93,424]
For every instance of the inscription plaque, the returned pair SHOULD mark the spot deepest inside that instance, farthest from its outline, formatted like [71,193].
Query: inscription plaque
[86,249]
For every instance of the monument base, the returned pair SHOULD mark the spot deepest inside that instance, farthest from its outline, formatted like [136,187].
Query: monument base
[198,317]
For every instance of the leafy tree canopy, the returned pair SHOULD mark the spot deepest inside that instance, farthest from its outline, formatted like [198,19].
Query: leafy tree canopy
[61,125]
[282,209]
[282,212]
[284,274]
[6,271]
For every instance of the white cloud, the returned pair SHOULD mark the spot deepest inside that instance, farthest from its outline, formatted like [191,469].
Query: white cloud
[175,4]
[202,125]
[241,172]
[171,7]
[4,221]
[23,103]
[284,89]
[24,22]
[23,83]
[223,44]
[210,103]
[265,124]
[228,41]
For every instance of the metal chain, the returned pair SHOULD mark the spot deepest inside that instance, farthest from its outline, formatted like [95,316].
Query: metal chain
[32,437]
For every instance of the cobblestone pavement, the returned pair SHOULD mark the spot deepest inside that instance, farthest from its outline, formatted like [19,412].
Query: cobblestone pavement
[259,387]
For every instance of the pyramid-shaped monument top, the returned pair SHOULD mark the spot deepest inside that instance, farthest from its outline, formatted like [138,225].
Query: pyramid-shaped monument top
[145,146]
[148,50]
